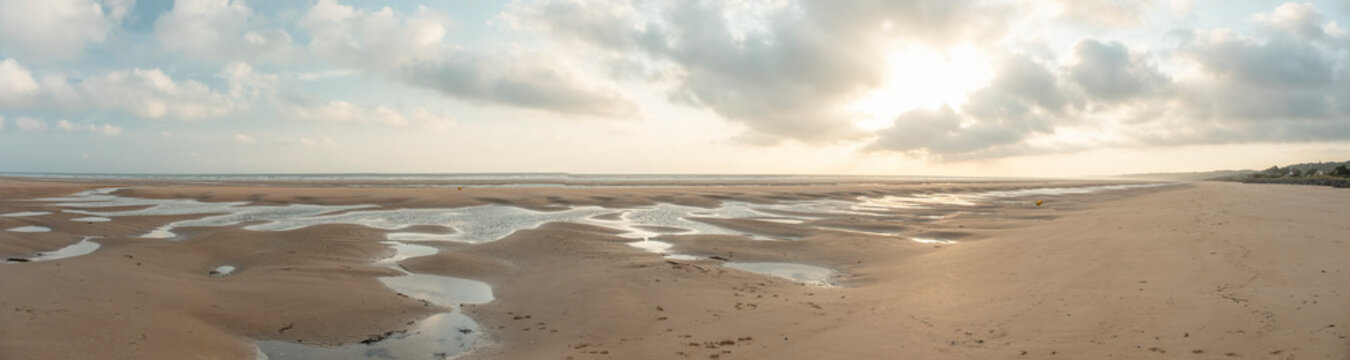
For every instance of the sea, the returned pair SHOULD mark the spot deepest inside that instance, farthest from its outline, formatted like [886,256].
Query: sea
[543,179]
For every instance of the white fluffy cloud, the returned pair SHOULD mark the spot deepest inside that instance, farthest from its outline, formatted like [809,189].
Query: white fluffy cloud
[16,83]
[220,30]
[244,139]
[57,29]
[1104,13]
[105,129]
[342,112]
[1296,19]
[149,93]
[30,124]
[317,142]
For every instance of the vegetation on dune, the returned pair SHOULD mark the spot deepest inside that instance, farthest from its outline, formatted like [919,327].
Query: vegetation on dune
[1335,174]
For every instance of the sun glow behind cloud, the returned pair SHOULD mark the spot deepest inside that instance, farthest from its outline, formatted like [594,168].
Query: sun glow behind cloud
[920,77]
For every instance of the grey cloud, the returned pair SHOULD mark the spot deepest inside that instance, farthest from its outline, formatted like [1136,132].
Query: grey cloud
[1020,86]
[1255,80]
[410,48]
[1302,20]
[514,82]
[1107,71]
[939,132]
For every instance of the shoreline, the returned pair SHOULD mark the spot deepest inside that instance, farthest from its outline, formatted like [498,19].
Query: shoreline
[434,182]
[619,301]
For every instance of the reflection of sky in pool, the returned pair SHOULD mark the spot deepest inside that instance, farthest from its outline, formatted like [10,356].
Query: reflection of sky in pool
[452,332]
[484,223]
[804,274]
[82,247]
[26,213]
[438,336]
[30,229]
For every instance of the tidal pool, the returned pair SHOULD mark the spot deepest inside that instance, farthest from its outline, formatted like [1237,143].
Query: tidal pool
[83,247]
[439,336]
[803,274]
[222,271]
[26,213]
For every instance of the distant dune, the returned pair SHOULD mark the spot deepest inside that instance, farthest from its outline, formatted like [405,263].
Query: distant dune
[1188,176]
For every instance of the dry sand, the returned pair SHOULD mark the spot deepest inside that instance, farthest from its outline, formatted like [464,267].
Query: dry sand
[1200,270]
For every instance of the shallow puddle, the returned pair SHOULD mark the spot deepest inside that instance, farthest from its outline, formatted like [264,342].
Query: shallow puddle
[932,241]
[803,274]
[83,247]
[439,336]
[223,270]
[440,290]
[404,251]
[659,247]
[91,219]
[484,223]
[26,213]
[30,229]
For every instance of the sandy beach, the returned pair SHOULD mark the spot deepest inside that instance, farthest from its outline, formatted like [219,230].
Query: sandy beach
[916,270]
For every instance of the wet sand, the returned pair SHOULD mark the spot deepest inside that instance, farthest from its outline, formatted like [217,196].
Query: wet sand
[1206,270]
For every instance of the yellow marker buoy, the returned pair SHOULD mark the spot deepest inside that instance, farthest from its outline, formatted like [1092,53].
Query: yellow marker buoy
[460,188]
[1038,203]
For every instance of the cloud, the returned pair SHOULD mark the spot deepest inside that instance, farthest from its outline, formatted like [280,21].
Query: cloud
[246,84]
[244,139]
[30,124]
[106,129]
[1302,20]
[1249,78]
[148,93]
[790,70]
[1024,99]
[151,93]
[784,69]
[342,112]
[941,132]
[410,48]
[1106,13]
[1108,71]
[317,142]
[221,30]
[57,29]
[16,83]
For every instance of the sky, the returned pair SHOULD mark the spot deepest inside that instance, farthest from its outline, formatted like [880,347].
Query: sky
[1047,88]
